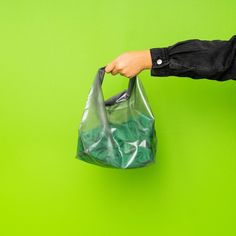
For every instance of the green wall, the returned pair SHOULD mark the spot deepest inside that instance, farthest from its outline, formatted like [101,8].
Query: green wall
[49,54]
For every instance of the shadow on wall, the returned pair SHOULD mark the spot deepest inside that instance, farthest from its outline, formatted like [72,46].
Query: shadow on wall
[190,110]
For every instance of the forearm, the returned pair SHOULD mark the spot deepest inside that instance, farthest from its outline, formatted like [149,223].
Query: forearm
[196,59]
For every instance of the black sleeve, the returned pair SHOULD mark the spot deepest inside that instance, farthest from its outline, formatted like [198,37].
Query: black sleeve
[215,60]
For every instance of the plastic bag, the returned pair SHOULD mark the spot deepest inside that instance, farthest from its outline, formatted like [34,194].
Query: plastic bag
[119,132]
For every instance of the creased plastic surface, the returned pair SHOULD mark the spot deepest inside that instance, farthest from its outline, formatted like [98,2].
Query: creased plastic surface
[119,132]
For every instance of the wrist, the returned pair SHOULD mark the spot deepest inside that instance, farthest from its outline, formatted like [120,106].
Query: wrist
[147,60]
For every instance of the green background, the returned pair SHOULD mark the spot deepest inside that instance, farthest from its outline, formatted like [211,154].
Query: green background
[49,54]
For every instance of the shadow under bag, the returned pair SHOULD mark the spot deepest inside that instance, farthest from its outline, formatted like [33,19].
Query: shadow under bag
[119,132]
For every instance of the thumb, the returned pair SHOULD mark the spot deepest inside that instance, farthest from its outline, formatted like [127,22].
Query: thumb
[110,67]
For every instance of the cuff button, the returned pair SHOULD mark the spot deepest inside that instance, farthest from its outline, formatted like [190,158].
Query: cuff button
[159,62]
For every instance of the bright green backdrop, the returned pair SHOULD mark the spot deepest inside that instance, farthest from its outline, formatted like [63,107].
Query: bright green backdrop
[49,54]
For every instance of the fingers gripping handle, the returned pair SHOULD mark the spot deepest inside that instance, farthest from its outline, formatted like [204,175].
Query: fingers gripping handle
[101,74]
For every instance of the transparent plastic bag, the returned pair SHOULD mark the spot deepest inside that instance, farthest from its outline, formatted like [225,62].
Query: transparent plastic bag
[119,132]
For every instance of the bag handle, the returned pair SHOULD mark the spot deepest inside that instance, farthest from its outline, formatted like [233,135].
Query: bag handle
[101,74]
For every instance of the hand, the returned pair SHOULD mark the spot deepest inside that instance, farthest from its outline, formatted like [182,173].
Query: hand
[130,64]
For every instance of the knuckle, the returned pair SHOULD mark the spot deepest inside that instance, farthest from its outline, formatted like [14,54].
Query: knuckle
[119,67]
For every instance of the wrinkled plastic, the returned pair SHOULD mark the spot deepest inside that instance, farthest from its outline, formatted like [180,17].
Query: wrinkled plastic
[119,132]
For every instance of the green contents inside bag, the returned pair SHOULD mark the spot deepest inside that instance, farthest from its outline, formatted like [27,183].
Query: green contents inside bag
[130,144]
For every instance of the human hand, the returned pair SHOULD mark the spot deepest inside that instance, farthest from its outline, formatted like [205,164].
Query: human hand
[130,64]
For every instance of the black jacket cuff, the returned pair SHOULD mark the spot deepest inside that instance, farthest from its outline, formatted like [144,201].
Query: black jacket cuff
[160,62]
